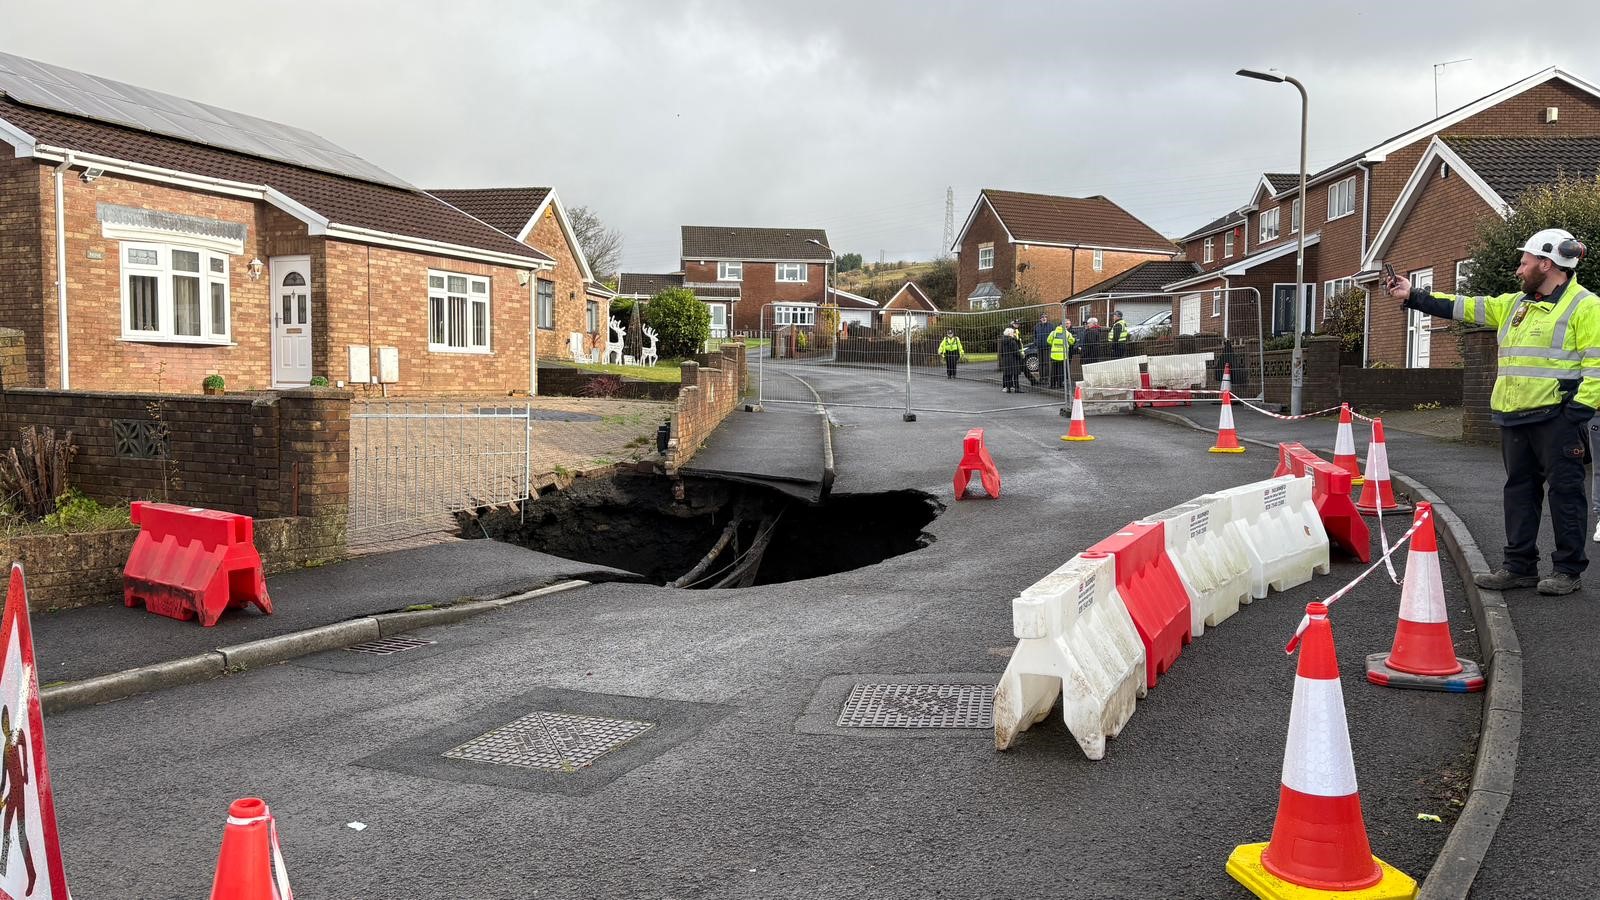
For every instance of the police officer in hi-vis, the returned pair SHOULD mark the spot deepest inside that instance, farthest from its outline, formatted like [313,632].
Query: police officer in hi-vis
[1545,393]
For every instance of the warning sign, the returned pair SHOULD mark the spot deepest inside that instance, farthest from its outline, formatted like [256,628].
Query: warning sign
[30,850]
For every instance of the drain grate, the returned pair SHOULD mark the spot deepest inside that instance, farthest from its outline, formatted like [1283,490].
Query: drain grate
[561,742]
[385,646]
[918,706]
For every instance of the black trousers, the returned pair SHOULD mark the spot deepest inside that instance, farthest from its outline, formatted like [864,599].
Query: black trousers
[1545,458]
[1056,372]
[950,359]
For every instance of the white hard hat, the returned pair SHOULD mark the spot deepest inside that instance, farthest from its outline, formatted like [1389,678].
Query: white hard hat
[1557,245]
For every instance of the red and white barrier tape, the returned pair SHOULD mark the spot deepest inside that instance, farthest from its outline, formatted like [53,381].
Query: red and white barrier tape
[1305,621]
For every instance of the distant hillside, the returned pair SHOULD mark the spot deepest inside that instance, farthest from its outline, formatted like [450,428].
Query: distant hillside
[880,281]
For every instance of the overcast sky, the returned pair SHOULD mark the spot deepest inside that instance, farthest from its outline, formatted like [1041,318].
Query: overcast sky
[854,117]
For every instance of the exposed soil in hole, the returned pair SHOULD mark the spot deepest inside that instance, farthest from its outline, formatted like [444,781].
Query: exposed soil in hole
[719,534]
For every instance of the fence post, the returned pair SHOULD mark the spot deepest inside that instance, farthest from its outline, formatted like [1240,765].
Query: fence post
[908,415]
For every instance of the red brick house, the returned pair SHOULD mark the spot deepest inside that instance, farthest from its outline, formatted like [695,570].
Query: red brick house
[1459,183]
[1347,204]
[1136,293]
[909,305]
[536,217]
[1047,247]
[153,242]
[736,272]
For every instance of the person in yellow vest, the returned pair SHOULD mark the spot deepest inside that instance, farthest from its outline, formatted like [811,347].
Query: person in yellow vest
[1545,393]
[1118,336]
[950,349]
[1061,341]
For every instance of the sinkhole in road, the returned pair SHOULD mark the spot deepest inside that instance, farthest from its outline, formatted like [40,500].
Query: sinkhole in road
[717,533]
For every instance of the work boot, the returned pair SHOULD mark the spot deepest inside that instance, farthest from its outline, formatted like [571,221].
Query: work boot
[1503,579]
[1597,532]
[1559,584]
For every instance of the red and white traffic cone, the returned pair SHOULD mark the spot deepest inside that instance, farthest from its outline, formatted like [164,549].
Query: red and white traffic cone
[1227,377]
[1079,429]
[250,866]
[1423,655]
[1227,438]
[1319,841]
[1344,447]
[1377,494]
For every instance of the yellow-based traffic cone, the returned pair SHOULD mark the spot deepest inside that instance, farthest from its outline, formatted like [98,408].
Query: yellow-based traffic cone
[1079,430]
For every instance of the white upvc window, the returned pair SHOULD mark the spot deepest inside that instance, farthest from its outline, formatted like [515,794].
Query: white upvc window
[1099,260]
[1210,249]
[1463,273]
[594,317]
[985,256]
[1342,198]
[174,294]
[545,294]
[458,312]
[791,272]
[1268,221]
[1227,245]
[794,315]
[730,271]
[1294,217]
[1216,303]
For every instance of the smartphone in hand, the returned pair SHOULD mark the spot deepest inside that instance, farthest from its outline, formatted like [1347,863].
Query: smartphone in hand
[1389,276]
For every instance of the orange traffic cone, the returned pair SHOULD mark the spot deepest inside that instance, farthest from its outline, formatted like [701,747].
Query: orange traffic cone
[1423,655]
[1079,430]
[1227,438]
[1377,494]
[1344,447]
[1227,377]
[1319,841]
[250,866]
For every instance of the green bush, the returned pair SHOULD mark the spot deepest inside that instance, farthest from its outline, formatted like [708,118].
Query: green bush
[681,322]
[319,381]
[212,382]
[1281,342]
[622,308]
[1573,204]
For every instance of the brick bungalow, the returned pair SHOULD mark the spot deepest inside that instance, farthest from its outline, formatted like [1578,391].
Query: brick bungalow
[1046,246]
[909,304]
[1459,183]
[536,217]
[737,271]
[1347,203]
[156,242]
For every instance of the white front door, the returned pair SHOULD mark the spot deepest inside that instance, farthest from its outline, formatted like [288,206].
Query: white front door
[719,319]
[1419,327]
[1189,314]
[291,320]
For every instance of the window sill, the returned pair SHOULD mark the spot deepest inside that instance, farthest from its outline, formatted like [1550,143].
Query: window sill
[175,341]
[461,351]
[1340,216]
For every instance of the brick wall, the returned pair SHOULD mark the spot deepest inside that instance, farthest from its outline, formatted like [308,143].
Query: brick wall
[1055,273]
[708,395]
[571,310]
[1480,362]
[985,229]
[24,283]
[565,382]
[1398,388]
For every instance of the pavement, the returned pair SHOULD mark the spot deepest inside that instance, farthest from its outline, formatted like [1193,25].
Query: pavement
[786,448]
[742,788]
[1550,834]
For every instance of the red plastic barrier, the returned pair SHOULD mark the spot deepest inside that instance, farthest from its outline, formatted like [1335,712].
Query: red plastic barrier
[1285,464]
[190,562]
[1330,493]
[975,458]
[1145,395]
[1152,591]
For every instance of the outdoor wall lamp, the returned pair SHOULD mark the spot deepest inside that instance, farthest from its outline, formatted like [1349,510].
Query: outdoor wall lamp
[255,268]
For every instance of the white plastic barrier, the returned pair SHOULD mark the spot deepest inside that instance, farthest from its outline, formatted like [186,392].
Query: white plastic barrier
[1179,370]
[1113,373]
[1075,639]
[1211,559]
[1281,531]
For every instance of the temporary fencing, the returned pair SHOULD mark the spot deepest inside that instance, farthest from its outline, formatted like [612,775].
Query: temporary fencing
[1211,561]
[1076,640]
[1281,531]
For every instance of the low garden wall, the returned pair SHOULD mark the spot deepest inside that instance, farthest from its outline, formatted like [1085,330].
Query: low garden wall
[708,396]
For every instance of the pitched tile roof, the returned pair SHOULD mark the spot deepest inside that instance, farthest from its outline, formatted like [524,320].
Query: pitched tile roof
[1085,221]
[341,200]
[1145,278]
[1511,165]
[715,242]
[846,300]
[647,284]
[1218,224]
[1283,181]
[507,209]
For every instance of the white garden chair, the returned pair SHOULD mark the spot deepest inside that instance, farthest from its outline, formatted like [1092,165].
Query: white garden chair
[575,347]
[649,353]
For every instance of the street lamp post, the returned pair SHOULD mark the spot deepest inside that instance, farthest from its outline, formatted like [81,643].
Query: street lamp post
[1297,361]
[830,276]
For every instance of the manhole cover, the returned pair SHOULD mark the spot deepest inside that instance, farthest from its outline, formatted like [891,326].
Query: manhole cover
[385,646]
[561,742]
[919,706]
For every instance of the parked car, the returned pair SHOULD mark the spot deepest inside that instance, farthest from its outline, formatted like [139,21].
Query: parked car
[1150,326]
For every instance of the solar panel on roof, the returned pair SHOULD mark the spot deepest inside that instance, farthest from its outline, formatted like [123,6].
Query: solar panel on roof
[79,94]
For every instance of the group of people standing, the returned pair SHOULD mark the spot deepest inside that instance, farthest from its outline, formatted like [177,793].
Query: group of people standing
[1051,342]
